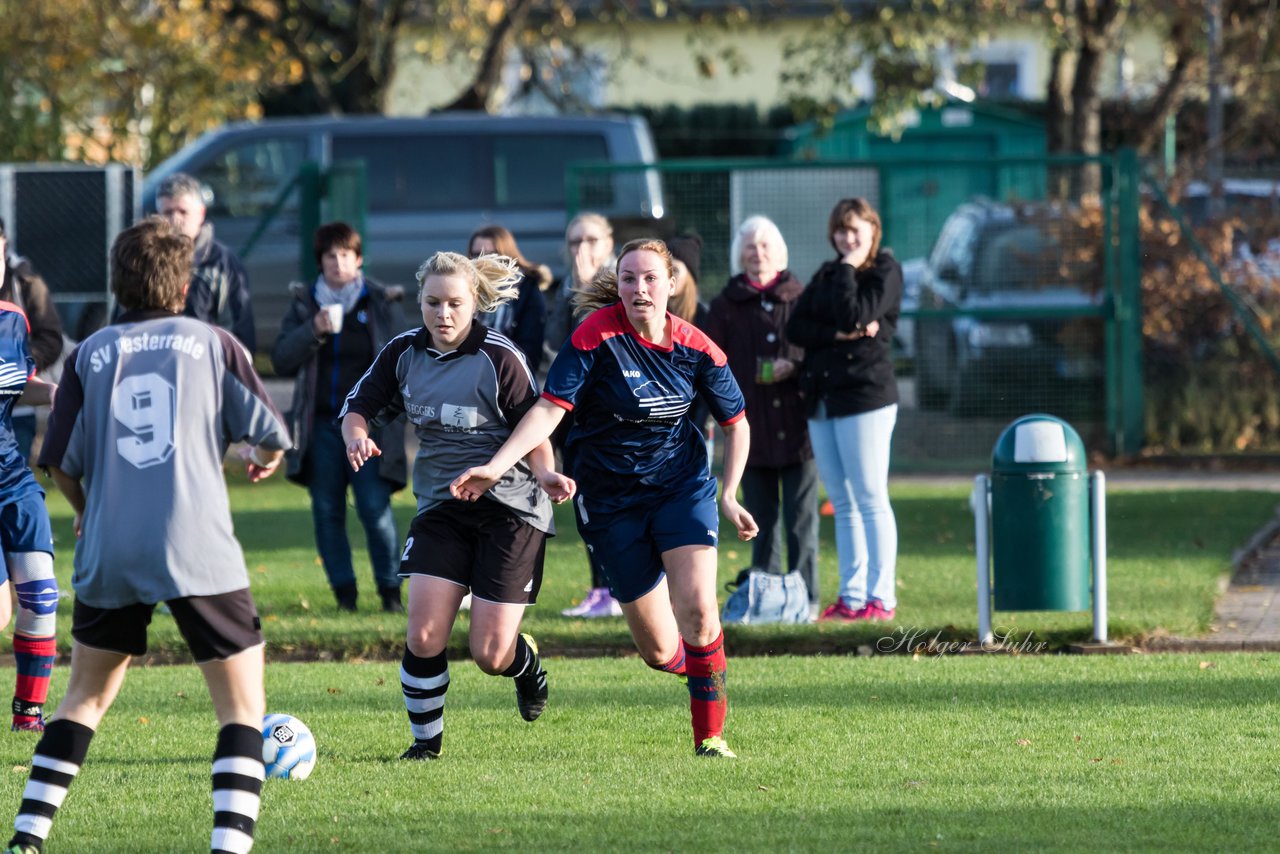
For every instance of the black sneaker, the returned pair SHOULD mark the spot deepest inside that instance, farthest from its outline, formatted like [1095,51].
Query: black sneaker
[531,687]
[420,751]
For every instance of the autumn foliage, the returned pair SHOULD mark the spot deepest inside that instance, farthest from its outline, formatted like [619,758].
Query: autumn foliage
[1210,387]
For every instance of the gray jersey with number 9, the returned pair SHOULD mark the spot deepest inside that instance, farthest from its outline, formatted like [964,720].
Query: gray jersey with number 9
[144,415]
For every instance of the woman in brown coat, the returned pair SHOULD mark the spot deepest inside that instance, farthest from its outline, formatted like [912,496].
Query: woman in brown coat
[748,320]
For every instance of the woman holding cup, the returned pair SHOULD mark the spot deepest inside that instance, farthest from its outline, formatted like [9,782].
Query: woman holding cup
[780,483]
[328,338]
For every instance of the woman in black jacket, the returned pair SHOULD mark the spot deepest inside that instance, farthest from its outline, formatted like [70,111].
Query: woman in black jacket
[328,357]
[845,321]
[524,321]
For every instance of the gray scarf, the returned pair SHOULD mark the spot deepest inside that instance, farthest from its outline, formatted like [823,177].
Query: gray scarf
[346,296]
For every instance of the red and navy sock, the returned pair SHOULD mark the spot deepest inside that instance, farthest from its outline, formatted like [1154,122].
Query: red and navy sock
[34,658]
[708,702]
[677,663]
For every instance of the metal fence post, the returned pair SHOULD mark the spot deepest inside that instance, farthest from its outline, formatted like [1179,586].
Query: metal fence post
[346,189]
[1128,296]
[980,502]
[310,193]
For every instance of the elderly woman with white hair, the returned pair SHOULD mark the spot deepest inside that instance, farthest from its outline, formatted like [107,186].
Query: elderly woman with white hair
[748,320]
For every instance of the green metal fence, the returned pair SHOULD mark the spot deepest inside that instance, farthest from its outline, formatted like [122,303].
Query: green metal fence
[1023,296]
[338,192]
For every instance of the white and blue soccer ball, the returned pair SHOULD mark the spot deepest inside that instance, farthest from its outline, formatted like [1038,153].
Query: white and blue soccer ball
[288,747]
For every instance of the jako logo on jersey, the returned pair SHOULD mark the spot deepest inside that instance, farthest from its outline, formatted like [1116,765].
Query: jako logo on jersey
[631,374]
[660,402]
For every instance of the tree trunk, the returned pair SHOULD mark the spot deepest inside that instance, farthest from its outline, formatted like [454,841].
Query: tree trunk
[1058,108]
[489,72]
[1167,100]
[1086,103]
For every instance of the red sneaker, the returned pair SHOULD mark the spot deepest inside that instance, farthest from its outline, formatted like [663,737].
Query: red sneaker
[876,610]
[841,613]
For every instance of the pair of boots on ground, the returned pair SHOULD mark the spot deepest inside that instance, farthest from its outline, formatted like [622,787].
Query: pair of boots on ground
[347,595]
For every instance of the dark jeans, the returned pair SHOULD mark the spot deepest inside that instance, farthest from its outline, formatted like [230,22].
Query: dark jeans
[799,518]
[330,476]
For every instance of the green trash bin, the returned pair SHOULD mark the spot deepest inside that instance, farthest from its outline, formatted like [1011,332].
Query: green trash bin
[1040,517]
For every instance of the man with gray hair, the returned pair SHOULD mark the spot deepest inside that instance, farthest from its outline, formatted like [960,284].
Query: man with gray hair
[219,292]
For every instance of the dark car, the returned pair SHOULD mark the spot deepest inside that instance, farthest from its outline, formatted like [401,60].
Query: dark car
[1011,316]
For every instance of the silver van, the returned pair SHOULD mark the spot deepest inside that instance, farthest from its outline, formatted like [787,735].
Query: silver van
[431,182]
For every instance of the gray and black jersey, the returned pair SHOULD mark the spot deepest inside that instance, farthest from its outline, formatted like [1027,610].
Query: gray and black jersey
[463,403]
[144,414]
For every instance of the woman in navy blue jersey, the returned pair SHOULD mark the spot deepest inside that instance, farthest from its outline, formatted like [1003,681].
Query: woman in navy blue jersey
[25,534]
[646,504]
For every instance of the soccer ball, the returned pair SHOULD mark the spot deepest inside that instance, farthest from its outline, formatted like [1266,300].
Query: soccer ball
[288,748]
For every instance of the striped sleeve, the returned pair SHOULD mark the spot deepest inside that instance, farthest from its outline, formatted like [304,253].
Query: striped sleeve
[517,389]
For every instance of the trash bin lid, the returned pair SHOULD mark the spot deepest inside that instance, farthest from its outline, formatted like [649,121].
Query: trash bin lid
[1039,443]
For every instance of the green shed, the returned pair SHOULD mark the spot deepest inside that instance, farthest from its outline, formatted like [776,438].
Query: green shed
[917,186]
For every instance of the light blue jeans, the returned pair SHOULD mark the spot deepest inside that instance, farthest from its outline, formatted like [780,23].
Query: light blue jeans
[852,453]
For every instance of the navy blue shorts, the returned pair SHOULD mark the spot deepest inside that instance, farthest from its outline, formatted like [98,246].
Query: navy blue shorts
[627,545]
[24,527]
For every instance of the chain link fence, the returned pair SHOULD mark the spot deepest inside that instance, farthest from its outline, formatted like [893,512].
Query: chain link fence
[63,218]
[1012,274]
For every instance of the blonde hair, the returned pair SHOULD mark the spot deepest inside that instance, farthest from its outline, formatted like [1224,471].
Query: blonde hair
[602,290]
[589,218]
[751,227]
[494,279]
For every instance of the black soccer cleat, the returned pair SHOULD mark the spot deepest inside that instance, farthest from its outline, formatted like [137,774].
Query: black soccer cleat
[420,751]
[531,686]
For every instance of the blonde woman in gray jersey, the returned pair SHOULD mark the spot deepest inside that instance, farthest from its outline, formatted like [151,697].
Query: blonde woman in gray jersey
[464,387]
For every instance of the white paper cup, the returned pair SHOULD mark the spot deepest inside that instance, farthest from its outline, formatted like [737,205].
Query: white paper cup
[335,317]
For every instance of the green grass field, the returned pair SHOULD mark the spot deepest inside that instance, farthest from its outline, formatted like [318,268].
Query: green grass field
[1168,554]
[838,753]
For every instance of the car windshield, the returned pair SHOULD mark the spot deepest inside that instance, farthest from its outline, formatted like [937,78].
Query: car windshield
[1024,258]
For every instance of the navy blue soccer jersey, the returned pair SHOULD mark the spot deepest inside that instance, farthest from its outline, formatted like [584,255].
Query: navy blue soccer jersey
[16,367]
[631,438]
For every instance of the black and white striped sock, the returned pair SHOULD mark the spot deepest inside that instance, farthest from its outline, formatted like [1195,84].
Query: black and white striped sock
[58,757]
[237,788]
[524,659]
[424,682]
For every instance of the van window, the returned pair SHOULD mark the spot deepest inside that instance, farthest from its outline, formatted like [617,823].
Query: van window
[421,172]
[528,170]
[247,178]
